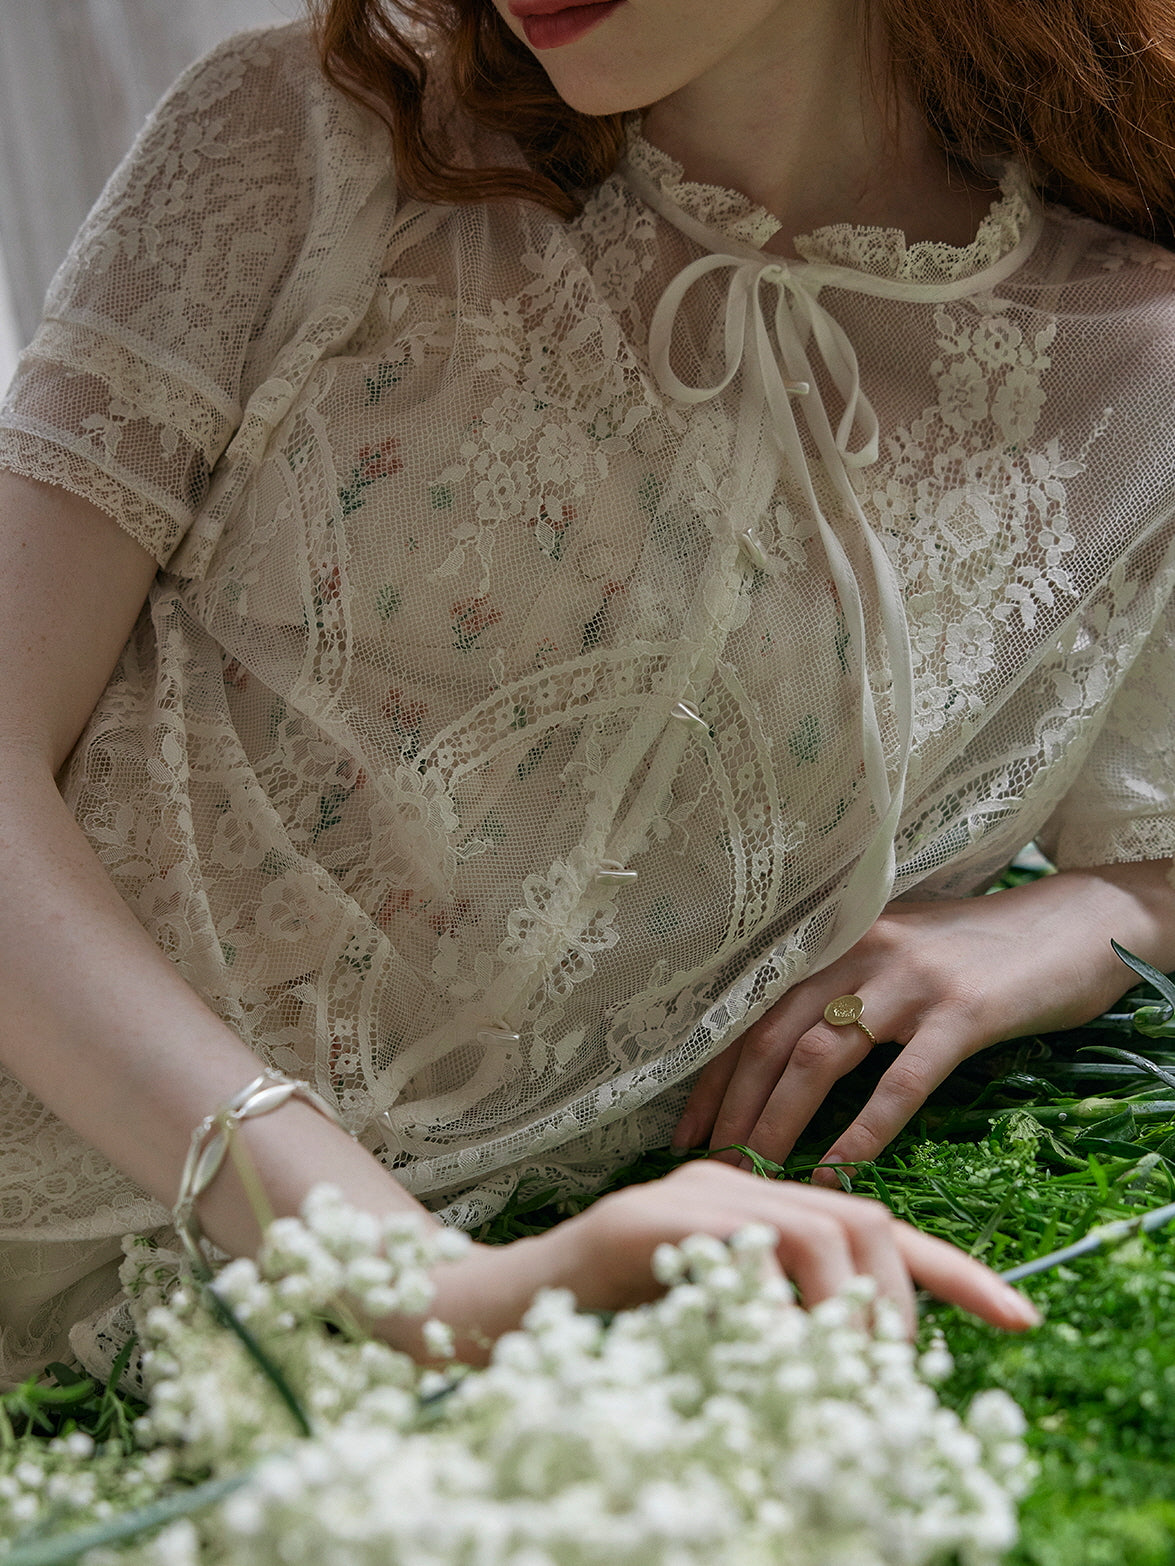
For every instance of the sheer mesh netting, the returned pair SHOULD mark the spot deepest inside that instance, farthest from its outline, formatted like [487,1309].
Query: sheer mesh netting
[570,634]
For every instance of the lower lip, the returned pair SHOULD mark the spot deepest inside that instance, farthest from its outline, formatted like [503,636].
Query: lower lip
[564,27]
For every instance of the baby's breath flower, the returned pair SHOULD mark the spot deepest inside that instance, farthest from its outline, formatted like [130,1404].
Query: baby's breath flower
[718,1426]
[993,1415]
[935,1363]
[438,1340]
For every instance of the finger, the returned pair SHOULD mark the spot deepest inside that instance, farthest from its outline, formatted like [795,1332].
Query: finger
[871,1232]
[762,1056]
[923,1065]
[954,1276]
[832,1174]
[879,1242]
[701,1108]
[814,1253]
[820,1057]
[764,1052]
[814,1248]
[873,1241]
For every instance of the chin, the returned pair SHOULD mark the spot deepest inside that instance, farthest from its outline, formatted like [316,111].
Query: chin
[596,105]
[594,92]
[596,99]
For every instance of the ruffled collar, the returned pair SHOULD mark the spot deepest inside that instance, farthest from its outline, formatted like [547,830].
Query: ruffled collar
[877,252]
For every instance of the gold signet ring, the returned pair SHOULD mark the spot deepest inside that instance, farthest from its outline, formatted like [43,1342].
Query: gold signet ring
[844,1011]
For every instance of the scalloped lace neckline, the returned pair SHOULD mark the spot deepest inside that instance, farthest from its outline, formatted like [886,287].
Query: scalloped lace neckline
[878,252]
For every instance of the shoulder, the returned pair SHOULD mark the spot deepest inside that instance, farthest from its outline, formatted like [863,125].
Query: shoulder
[1103,273]
[264,96]
[253,68]
[250,157]
[255,114]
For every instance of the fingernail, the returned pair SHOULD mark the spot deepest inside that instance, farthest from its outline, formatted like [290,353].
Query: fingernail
[683,1138]
[834,1173]
[1022,1308]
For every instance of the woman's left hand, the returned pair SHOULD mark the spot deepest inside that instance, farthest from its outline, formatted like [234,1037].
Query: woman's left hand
[942,980]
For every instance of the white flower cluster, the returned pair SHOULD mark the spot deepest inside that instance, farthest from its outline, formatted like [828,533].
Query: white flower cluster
[315,1284]
[719,1426]
[72,1479]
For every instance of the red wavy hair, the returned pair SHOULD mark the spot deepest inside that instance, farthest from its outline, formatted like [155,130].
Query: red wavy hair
[1082,91]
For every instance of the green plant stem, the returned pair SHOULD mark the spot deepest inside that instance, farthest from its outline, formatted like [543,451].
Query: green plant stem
[64,1548]
[1106,1234]
[246,1169]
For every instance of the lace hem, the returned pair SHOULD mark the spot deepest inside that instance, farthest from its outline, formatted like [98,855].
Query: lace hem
[884,252]
[98,1341]
[32,457]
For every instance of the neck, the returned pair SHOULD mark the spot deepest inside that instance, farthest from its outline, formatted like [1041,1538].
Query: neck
[802,119]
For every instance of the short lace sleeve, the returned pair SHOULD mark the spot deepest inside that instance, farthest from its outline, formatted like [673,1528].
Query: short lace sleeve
[195,259]
[1122,804]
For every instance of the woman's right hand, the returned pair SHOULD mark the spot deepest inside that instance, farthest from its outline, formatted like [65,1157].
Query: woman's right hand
[604,1255]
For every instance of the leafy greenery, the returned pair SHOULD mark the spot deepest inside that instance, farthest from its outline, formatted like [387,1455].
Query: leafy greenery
[64,1401]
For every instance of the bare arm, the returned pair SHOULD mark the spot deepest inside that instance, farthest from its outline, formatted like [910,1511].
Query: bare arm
[97,1021]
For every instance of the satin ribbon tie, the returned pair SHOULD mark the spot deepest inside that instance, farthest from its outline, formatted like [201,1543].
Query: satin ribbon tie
[776,350]
[764,342]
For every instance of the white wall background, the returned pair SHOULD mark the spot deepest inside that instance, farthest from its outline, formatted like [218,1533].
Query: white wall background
[77,78]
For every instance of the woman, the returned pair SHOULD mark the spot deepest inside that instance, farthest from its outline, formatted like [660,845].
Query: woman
[513,613]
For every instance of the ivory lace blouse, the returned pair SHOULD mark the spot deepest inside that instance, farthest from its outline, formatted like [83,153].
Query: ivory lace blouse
[568,635]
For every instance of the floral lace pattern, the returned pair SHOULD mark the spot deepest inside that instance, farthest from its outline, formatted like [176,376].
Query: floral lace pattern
[491,751]
[882,252]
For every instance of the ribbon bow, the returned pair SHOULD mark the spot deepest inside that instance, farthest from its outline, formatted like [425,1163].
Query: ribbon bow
[798,318]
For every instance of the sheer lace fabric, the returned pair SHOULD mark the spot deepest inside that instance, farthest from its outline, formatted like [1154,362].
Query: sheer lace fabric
[518,697]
